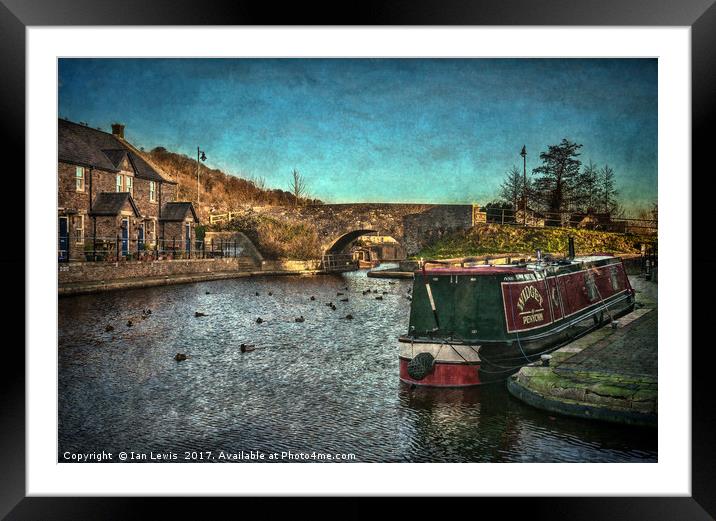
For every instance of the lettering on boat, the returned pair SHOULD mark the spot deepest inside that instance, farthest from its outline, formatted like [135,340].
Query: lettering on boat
[529,292]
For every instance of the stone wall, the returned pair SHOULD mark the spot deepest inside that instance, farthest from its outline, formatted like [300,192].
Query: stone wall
[232,241]
[108,271]
[428,226]
[412,225]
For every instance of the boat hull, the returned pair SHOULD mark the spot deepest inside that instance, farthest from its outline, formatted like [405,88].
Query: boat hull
[461,364]
[444,374]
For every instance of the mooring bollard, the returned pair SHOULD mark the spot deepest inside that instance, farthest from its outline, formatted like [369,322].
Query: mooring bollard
[545,360]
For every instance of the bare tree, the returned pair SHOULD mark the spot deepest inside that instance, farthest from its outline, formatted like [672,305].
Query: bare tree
[297,186]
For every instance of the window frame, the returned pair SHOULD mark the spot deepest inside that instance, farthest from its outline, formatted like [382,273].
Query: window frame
[79,237]
[81,178]
[119,183]
[152,191]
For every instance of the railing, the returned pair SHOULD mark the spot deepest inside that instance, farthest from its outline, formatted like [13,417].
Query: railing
[598,222]
[221,217]
[115,249]
[338,262]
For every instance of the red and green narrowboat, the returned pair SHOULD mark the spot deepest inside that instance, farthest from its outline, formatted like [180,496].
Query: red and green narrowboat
[479,324]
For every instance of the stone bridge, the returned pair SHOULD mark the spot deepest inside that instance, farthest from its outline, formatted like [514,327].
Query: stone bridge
[412,225]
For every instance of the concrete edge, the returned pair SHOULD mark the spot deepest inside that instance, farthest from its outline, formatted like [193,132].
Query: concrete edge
[579,410]
[99,287]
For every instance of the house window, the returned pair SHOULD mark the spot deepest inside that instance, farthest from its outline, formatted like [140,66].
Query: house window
[119,183]
[152,191]
[128,180]
[79,228]
[80,179]
[153,230]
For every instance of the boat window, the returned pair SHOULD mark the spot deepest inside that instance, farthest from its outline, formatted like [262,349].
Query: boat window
[614,277]
[592,293]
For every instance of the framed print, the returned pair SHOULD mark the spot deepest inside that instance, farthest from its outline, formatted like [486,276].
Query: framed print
[423,245]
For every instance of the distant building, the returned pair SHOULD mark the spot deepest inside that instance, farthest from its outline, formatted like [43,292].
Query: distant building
[112,199]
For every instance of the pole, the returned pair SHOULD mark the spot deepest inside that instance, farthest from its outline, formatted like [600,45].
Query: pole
[197,177]
[524,184]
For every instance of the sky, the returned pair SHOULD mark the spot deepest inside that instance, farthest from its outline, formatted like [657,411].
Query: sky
[379,130]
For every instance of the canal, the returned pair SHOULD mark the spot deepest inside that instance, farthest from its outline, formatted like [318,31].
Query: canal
[328,384]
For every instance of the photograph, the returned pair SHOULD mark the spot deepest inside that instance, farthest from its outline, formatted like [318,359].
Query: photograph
[357,260]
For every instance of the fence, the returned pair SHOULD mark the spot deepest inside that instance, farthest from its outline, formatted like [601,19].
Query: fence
[221,217]
[114,249]
[599,222]
[338,262]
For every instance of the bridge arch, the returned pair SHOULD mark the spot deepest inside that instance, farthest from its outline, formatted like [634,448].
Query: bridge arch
[341,244]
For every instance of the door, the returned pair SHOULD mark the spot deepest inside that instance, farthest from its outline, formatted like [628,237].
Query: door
[140,238]
[125,237]
[187,232]
[64,237]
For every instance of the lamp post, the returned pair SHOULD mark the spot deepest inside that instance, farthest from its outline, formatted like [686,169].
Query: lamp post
[200,155]
[524,183]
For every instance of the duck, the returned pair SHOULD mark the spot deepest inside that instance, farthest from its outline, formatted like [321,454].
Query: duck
[130,323]
[257,293]
[246,348]
[180,357]
[259,320]
[109,328]
[199,314]
[300,319]
[378,298]
[312,298]
[339,294]
[333,307]
[270,293]
[349,316]
[344,300]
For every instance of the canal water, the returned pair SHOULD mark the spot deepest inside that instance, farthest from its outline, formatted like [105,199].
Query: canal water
[325,385]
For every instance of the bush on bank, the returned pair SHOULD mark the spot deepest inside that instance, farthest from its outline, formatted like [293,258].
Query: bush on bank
[491,239]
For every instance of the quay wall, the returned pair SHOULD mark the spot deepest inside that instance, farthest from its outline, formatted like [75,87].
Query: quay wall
[74,272]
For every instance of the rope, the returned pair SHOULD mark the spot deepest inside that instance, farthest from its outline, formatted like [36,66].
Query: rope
[517,333]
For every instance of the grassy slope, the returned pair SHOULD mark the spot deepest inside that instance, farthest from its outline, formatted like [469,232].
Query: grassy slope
[493,238]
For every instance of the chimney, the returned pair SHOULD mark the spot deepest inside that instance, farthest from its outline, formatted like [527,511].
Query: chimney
[118,130]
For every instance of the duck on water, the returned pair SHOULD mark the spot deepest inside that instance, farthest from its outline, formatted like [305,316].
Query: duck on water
[474,325]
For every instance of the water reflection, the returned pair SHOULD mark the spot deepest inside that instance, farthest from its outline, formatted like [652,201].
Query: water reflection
[327,384]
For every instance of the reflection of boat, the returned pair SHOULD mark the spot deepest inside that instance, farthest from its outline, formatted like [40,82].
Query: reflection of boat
[366,258]
[471,325]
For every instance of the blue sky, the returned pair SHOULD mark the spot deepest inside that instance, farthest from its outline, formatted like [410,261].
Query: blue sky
[388,130]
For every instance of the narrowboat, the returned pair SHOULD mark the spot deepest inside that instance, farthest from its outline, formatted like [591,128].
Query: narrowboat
[366,258]
[477,324]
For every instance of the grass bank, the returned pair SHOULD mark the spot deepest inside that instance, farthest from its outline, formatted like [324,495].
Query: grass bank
[275,239]
[494,238]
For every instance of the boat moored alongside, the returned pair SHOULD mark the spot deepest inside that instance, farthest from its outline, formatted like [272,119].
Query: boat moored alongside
[473,325]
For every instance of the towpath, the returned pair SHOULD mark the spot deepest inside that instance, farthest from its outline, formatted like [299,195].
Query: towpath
[609,374]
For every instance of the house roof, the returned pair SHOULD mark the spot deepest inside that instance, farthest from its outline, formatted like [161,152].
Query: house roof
[178,211]
[112,203]
[86,146]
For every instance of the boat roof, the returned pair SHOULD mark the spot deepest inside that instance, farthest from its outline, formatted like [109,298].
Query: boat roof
[505,269]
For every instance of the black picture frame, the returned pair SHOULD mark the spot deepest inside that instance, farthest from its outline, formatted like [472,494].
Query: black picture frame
[699,15]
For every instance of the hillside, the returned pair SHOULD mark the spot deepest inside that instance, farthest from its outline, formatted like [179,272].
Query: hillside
[220,192]
[492,238]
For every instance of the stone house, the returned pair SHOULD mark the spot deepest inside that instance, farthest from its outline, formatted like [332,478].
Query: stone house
[111,200]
